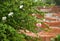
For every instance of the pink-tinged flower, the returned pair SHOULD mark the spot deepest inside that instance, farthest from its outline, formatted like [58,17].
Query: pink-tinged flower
[38,24]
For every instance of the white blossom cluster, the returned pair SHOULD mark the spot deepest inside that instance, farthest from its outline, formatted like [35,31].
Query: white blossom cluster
[11,13]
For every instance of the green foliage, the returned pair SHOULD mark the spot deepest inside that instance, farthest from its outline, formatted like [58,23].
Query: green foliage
[32,39]
[17,14]
[50,2]
[21,18]
[7,33]
[57,2]
[56,38]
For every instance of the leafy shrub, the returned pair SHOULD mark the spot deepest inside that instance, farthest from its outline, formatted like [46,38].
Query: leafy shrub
[57,2]
[56,38]
[7,33]
[50,1]
[17,13]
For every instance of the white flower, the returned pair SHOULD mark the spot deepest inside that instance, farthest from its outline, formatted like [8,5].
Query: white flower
[10,14]
[35,1]
[4,18]
[52,39]
[44,19]
[33,14]
[43,6]
[21,6]
[27,31]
